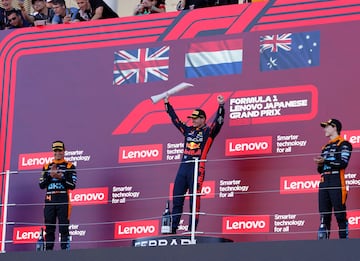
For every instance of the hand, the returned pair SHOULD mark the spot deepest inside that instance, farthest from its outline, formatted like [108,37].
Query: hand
[166,99]
[220,99]
[54,172]
[21,5]
[319,160]
[67,19]
[139,8]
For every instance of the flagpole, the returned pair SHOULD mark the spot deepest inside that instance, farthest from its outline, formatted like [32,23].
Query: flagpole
[4,220]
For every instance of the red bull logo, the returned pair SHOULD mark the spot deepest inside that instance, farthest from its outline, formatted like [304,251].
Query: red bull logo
[192,145]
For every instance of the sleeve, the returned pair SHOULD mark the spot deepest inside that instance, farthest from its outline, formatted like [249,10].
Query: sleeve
[45,178]
[320,168]
[2,19]
[70,177]
[55,19]
[182,127]
[218,121]
[74,12]
[96,3]
[342,158]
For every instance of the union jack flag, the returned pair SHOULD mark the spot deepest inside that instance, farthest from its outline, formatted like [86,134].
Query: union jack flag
[274,42]
[141,65]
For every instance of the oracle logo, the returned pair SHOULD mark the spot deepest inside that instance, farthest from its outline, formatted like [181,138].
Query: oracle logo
[140,153]
[89,196]
[135,229]
[245,224]
[299,184]
[353,137]
[207,190]
[353,219]
[248,146]
[34,160]
[22,235]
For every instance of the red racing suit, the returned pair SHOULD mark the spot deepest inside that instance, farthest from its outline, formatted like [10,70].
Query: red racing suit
[197,144]
[57,201]
[332,187]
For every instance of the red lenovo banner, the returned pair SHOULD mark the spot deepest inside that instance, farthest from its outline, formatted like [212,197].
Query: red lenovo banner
[99,87]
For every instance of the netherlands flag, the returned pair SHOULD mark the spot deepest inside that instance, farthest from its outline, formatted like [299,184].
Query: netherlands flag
[214,58]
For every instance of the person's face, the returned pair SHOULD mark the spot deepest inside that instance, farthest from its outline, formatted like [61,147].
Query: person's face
[38,5]
[148,3]
[329,130]
[83,4]
[59,9]
[14,20]
[6,3]
[198,122]
[49,5]
[59,154]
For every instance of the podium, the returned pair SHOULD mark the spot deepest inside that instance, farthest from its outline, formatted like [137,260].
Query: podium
[191,238]
[176,240]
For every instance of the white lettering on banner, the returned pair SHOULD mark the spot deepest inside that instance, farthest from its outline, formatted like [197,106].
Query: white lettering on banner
[88,197]
[251,100]
[120,194]
[284,222]
[35,161]
[164,242]
[140,154]
[352,136]
[354,139]
[265,106]
[246,107]
[354,220]
[25,235]
[250,224]
[308,184]
[228,188]
[248,146]
[206,190]
[133,230]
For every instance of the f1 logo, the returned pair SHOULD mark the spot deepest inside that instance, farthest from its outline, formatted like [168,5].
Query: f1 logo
[139,122]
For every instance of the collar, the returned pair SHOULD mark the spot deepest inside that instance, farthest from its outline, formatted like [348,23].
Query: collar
[337,139]
[59,161]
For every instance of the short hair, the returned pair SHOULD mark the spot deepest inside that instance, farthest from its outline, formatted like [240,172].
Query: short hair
[12,11]
[59,2]
[33,1]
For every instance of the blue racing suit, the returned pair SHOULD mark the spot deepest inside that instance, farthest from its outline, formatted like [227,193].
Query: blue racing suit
[197,144]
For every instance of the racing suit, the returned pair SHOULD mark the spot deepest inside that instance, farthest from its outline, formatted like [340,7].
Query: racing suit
[332,188]
[197,144]
[57,201]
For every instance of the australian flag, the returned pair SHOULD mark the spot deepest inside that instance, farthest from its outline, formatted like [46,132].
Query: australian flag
[141,65]
[289,50]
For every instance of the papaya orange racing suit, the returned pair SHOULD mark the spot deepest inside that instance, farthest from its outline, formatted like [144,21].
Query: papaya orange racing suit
[57,204]
[332,187]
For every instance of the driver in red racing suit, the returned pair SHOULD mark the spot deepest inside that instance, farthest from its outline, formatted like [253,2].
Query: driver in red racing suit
[198,140]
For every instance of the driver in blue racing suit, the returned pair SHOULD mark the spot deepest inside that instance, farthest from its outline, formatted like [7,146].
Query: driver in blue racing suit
[198,140]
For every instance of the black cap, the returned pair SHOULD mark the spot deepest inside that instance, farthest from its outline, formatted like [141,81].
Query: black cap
[198,113]
[333,122]
[58,145]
